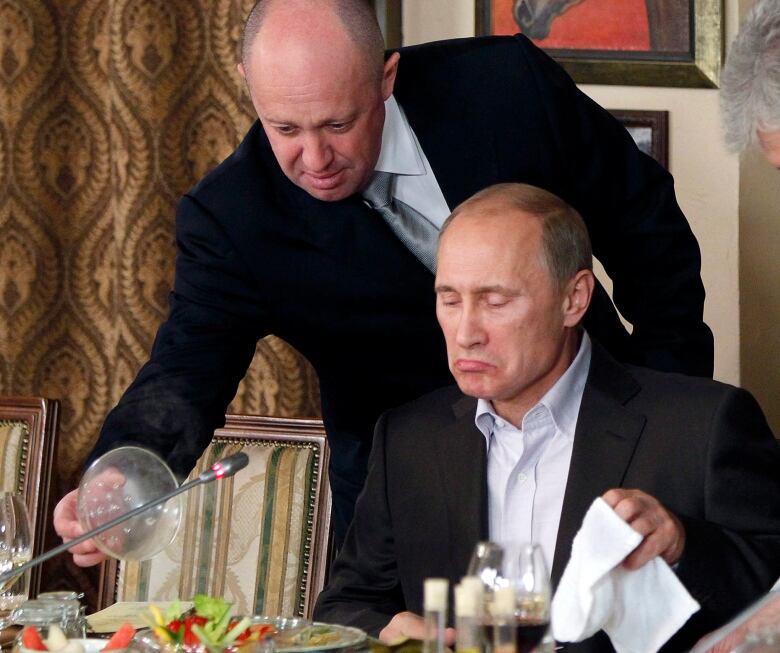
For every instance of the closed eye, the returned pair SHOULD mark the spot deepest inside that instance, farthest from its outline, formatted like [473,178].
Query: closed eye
[339,127]
[496,301]
[449,299]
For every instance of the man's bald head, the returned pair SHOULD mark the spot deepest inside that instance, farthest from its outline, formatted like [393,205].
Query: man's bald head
[356,16]
[317,77]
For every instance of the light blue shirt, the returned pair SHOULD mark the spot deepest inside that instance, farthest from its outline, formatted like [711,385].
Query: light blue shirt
[527,467]
[401,154]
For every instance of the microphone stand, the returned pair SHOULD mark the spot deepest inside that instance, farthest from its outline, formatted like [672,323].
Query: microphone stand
[220,469]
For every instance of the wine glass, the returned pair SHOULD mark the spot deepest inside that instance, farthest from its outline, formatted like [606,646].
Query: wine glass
[116,483]
[15,550]
[528,576]
[487,564]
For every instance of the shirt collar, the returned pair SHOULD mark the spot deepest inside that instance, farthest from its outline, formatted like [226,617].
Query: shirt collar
[562,400]
[400,153]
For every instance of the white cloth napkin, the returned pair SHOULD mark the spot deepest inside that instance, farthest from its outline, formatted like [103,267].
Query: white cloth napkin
[639,610]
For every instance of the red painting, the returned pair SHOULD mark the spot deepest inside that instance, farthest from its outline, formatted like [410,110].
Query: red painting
[660,26]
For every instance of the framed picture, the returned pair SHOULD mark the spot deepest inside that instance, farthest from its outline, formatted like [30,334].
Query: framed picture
[650,131]
[632,42]
[388,13]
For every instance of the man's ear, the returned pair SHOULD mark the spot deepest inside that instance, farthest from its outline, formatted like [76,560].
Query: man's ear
[578,294]
[388,74]
[241,70]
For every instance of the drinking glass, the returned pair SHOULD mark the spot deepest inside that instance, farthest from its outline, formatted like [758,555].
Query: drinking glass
[15,550]
[530,579]
[487,564]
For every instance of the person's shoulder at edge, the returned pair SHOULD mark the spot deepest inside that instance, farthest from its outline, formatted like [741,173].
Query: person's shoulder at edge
[672,383]
[479,51]
[465,45]
[668,391]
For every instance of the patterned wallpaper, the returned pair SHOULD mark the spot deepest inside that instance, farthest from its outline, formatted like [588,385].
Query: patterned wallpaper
[109,110]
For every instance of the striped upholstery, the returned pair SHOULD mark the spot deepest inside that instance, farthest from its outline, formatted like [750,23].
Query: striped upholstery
[257,538]
[14,444]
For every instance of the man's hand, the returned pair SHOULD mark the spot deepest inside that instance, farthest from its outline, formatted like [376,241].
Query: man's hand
[663,533]
[66,523]
[408,624]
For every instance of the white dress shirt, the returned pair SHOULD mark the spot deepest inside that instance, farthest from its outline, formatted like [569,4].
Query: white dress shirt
[527,467]
[401,154]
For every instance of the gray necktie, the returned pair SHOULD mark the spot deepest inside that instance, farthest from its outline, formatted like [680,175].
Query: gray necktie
[412,228]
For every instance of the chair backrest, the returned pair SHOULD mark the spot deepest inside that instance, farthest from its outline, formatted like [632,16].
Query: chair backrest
[28,433]
[259,539]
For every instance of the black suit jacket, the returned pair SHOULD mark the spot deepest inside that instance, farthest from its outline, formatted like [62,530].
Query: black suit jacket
[258,255]
[702,448]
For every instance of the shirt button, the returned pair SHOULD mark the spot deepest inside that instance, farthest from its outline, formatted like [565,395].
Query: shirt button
[521,477]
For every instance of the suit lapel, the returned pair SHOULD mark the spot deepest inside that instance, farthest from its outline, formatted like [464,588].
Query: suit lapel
[461,466]
[604,442]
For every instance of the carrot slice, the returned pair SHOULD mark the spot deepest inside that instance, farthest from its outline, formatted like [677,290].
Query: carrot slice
[120,639]
[31,639]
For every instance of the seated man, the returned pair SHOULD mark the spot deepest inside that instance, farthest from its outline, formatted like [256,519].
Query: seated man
[542,422]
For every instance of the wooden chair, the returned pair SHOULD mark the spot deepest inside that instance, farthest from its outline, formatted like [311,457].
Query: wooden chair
[28,434]
[259,539]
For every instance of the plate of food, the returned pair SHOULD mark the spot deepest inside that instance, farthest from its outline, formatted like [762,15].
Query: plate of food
[311,636]
[209,626]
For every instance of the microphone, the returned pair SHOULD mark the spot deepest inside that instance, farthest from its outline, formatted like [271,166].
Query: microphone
[221,469]
[225,467]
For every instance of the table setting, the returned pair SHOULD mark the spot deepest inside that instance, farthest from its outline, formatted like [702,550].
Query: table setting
[129,502]
[208,626]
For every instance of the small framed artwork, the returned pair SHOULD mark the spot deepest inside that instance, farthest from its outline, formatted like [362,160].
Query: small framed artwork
[633,42]
[388,13]
[650,131]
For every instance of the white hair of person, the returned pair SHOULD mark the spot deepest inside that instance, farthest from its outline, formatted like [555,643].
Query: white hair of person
[750,82]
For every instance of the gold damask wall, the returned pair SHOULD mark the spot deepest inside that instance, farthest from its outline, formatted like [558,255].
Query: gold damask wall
[109,110]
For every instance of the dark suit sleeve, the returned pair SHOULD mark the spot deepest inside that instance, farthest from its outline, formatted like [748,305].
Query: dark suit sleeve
[364,588]
[732,555]
[200,353]
[636,226]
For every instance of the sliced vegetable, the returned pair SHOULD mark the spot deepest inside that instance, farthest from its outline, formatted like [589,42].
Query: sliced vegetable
[159,620]
[31,639]
[56,639]
[120,639]
[209,623]
[213,608]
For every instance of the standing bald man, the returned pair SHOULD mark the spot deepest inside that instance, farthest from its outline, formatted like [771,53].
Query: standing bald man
[282,238]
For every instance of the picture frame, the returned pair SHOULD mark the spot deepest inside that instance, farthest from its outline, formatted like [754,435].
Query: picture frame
[389,16]
[649,129]
[680,44]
